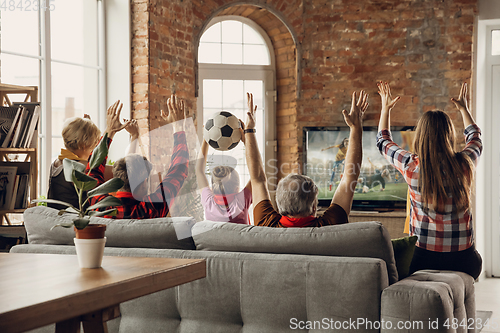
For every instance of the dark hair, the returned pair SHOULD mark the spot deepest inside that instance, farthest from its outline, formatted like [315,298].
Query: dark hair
[133,164]
[225,180]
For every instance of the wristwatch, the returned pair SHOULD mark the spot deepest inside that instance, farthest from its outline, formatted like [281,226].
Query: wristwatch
[249,130]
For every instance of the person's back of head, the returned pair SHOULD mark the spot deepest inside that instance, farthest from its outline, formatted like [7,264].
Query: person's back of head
[134,170]
[80,134]
[225,180]
[443,171]
[297,195]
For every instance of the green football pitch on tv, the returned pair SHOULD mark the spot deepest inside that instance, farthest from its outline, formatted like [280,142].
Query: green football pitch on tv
[392,192]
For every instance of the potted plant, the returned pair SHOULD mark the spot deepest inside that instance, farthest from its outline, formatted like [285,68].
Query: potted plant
[89,238]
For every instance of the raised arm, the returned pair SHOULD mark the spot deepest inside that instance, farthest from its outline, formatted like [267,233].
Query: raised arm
[462,105]
[354,119]
[258,177]
[334,146]
[201,164]
[387,104]
[133,129]
[113,126]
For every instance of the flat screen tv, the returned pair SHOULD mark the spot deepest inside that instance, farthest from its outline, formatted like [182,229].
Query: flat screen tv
[380,186]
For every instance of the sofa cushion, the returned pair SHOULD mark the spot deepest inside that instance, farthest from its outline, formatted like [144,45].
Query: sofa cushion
[360,239]
[403,254]
[160,233]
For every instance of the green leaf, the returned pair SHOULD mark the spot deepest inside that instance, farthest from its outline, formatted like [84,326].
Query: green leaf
[112,185]
[100,153]
[68,210]
[54,202]
[82,181]
[64,225]
[69,166]
[110,212]
[106,202]
[81,223]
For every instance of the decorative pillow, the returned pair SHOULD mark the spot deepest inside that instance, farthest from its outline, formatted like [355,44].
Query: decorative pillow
[403,253]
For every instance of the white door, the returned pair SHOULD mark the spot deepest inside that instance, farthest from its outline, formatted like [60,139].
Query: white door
[495,227]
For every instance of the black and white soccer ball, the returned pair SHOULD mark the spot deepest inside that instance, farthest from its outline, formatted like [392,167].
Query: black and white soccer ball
[221,131]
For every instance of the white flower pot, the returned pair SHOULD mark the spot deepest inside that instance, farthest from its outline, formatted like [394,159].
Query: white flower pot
[90,252]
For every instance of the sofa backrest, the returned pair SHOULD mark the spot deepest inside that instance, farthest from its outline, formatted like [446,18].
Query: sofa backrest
[160,233]
[360,239]
[255,292]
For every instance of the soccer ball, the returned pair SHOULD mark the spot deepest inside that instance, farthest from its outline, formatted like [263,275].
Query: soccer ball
[221,131]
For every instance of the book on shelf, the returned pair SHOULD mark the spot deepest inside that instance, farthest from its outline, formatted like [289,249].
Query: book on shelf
[14,193]
[22,192]
[9,116]
[21,195]
[7,180]
[28,127]
[19,126]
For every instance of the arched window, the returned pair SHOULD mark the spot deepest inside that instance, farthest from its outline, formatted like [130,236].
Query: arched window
[235,57]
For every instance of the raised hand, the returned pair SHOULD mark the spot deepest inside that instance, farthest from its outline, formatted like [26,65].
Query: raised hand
[354,119]
[133,128]
[176,111]
[242,131]
[251,112]
[385,93]
[113,124]
[461,102]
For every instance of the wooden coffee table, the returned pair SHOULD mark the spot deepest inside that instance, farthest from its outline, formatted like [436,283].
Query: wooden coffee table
[41,289]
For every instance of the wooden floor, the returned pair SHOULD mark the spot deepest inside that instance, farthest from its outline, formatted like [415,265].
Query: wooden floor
[488,299]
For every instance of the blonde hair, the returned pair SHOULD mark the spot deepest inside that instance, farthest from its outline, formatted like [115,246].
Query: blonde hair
[80,133]
[443,171]
[225,180]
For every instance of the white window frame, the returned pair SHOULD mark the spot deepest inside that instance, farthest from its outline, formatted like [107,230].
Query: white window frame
[246,72]
[45,87]
[487,175]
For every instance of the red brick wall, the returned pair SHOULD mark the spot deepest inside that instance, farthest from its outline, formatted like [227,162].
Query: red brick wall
[423,48]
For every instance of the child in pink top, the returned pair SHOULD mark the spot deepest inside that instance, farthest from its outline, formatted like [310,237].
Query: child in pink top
[224,202]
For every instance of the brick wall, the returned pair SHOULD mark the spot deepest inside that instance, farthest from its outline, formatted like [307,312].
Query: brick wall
[423,48]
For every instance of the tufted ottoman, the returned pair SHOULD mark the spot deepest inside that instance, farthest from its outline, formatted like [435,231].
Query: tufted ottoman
[430,302]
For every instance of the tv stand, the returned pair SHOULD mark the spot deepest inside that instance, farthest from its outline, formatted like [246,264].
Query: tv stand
[392,220]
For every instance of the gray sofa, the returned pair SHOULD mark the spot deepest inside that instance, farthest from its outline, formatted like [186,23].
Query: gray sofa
[329,279]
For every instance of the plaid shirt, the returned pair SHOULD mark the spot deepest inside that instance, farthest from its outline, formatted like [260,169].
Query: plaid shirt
[157,203]
[450,230]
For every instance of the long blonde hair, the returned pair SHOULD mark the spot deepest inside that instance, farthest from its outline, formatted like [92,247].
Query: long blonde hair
[443,171]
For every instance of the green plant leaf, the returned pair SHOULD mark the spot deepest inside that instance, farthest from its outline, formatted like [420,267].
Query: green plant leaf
[100,152]
[64,225]
[82,181]
[106,202]
[55,202]
[110,212]
[81,223]
[112,185]
[68,210]
[69,166]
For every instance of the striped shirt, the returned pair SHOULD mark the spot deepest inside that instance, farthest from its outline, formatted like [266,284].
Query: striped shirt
[157,203]
[447,231]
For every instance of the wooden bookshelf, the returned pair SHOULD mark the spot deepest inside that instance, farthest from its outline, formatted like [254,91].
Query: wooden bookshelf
[31,93]
[30,154]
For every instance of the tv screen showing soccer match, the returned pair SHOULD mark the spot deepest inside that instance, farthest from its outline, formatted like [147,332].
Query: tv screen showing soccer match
[379,184]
